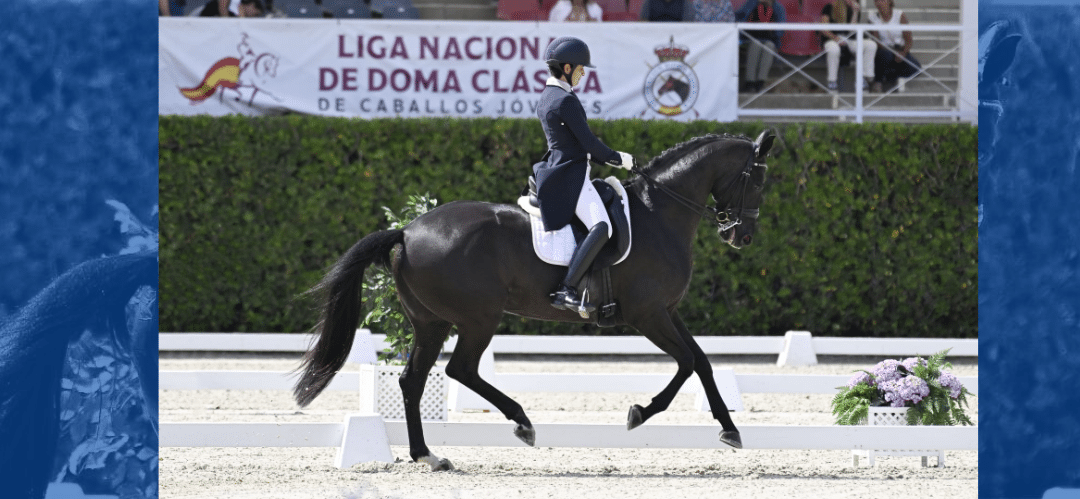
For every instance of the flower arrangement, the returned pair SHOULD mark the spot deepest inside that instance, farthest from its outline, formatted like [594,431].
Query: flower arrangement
[381,292]
[933,395]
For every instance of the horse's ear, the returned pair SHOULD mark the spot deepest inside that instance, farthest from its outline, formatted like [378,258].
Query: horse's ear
[764,143]
[1000,58]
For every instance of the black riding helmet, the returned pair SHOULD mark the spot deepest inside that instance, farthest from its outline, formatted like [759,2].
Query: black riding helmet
[568,50]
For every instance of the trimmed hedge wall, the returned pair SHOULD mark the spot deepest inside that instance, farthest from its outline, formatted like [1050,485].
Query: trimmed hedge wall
[866,230]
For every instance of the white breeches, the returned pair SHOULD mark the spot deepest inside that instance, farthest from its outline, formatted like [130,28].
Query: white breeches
[832,57]
[590,209]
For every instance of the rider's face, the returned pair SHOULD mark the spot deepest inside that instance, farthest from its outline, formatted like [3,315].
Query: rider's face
[579,72]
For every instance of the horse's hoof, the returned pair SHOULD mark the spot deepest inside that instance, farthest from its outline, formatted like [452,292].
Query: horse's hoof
[526,433]
[732,438]
[443,465]
[437,464]
[634,419]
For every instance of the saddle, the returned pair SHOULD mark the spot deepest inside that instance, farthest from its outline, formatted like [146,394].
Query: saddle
[557,247]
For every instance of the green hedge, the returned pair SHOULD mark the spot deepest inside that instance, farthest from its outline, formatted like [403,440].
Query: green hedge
[866,230]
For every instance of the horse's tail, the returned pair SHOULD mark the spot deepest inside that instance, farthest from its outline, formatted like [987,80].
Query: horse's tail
[340,314]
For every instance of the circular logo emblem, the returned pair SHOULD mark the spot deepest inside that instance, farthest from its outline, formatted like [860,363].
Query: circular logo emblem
[671,88]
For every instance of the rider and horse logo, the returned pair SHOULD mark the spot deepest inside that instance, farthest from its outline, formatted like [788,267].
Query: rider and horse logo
[245,76]
[671,87]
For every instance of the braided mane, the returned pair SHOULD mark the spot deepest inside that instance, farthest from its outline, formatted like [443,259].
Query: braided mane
[675,153]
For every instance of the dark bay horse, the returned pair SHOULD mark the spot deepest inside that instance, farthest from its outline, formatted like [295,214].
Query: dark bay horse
[92,295]
[466,263]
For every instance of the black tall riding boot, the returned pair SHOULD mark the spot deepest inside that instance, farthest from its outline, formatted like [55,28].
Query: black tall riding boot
[566,298]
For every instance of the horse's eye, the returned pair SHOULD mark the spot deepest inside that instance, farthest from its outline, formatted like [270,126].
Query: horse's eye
[1006,82]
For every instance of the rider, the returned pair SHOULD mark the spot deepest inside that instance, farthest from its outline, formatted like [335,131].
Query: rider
[563,187]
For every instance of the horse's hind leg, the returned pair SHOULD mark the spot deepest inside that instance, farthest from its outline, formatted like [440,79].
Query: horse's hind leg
[427,343]
[464,367]
[730,434]
[660,330]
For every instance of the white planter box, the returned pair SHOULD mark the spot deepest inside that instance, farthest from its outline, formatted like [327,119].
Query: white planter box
[380,393]
[892,416]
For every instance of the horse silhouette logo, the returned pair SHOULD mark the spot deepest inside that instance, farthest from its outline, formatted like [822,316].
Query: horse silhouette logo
[671,87]
[243,77]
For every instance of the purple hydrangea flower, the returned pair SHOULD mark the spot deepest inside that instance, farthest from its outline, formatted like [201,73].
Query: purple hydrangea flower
[948,380]
[860,378]
[885,371]
[906,389]
[910,363]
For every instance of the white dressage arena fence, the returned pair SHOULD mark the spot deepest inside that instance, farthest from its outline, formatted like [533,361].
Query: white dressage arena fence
[366,437]
[795,346]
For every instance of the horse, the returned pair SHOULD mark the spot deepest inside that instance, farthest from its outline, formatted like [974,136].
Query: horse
[467,263]
[92,295]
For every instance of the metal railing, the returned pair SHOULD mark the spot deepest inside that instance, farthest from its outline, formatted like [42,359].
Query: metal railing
[960,103]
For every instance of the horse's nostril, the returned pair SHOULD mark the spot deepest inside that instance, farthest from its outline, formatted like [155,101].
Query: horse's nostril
[746,240]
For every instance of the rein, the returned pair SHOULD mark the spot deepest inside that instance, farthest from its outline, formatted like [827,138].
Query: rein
[722,219]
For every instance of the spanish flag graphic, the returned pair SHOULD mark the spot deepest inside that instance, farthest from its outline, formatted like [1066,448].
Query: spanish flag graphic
[224,73]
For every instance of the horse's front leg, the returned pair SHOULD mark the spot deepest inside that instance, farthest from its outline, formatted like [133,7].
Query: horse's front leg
[730,434]
[660,330]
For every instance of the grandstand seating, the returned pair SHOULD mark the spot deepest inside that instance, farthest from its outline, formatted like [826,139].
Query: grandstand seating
[394,9]
[347,9]
[299,8]
[522,10]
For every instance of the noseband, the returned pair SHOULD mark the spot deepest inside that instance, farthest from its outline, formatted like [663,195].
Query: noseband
[725,219]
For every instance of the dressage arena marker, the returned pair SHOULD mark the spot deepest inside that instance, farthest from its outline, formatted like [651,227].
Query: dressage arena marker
[798,350]
[755,437]
[363,440]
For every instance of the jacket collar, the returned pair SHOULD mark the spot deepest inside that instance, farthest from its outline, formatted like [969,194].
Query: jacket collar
[553,82]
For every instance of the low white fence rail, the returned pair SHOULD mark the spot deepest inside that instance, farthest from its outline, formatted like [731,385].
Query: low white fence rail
[528,382]
[589,345]
[579,435]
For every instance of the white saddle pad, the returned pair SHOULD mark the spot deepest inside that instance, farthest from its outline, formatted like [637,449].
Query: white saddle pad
[557,246]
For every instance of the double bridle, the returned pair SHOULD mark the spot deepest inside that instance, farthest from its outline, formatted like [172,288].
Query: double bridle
[725,219]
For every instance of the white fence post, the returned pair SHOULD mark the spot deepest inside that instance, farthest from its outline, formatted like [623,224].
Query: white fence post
[363,349]
[728,387]
[364,440]
[798,350]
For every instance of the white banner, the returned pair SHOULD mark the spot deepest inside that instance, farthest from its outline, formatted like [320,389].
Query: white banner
[378,69]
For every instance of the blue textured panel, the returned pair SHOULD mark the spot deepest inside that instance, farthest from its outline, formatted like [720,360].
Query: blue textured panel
[78,247]
[1029,291]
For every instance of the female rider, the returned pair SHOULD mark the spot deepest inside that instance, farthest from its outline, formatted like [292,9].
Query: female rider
[563,187]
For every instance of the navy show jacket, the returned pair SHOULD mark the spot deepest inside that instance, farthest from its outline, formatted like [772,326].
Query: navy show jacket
[561,173]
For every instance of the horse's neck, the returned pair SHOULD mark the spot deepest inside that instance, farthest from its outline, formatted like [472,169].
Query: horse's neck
[667,212]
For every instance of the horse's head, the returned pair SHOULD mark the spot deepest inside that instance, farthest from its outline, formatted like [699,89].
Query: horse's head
[738,199]
[997,49]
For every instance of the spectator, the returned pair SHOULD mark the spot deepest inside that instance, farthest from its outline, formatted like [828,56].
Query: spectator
[667,10]
[576,11]
[712,11]
[232,8]
[837,43]
[896,61]
[759,53]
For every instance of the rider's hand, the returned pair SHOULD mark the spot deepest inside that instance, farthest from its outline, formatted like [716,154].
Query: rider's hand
[627,161]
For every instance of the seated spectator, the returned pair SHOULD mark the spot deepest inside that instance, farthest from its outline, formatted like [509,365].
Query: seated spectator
[711,11]
[232,8]
[759,53]
[576,11]
[894,61]
[836,43]
[667,10]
